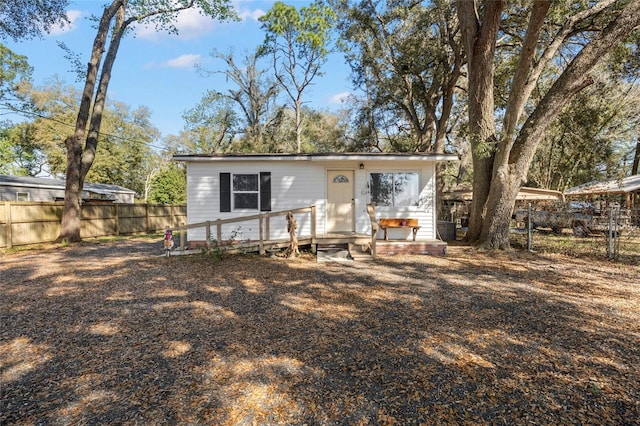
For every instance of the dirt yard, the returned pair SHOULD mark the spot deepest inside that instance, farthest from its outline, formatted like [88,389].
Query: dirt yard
[111,333]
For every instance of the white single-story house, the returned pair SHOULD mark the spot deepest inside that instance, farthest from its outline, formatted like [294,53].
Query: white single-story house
[225,186]
[26,188]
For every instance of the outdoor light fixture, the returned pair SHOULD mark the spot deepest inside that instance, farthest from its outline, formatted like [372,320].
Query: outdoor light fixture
[361,166]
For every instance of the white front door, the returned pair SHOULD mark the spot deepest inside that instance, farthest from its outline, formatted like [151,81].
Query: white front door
[340,200]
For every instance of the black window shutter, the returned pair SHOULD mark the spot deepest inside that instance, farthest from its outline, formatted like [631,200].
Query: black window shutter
[265,191]
[225,192]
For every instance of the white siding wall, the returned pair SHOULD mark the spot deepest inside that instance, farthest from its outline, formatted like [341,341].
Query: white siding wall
[8,193]
[299,184]
[293,185]
[424,212]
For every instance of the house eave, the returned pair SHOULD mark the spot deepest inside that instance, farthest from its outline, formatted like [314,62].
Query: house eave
[317,157]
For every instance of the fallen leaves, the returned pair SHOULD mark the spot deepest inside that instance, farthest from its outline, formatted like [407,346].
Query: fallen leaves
[131,338]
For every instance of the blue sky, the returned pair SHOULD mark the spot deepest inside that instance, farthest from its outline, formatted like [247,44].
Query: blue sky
[158,69]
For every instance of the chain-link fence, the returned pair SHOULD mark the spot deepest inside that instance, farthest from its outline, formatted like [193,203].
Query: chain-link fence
[623,232]
[612,231]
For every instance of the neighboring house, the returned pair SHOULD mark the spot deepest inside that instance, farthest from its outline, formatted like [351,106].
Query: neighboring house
[22,188]
[224,186]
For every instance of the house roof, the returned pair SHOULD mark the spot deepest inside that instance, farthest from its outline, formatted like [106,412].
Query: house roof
[354,156]
[611,186]
[30,182]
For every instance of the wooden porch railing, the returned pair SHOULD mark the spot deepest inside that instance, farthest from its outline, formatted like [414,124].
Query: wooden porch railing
[264,227]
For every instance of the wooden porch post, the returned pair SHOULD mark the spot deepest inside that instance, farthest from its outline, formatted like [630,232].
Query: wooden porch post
[267,227]
[374,228]
[183,231]
[261,232]
[314,241]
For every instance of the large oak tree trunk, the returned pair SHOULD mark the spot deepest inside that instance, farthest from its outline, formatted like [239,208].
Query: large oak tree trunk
[479,41]
[79,160]
[501,168]
[72,211]
[70,224]
[508,178]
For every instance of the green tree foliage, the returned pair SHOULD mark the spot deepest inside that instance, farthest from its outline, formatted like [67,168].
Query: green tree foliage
[22,19]
[116,20]
[406,57]
[324,132]
[19,153]
[211,125]
[592,139]
[125,147]
[14,73]
[247,118]
[254,96]
[53,106]
[19,20]
[125,139]
[298,43]
[169,185]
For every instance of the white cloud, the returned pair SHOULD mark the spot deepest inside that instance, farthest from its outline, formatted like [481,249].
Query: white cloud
[340,98]
[245,12]
[254,14]
[183,61]
[65,27]
[191,23]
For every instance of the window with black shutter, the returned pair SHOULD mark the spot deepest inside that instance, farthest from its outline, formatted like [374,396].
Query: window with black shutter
[225,192]
[245,191]
[265,191]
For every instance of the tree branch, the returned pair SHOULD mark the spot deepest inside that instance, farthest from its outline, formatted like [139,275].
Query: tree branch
[572,80]
[518,95]
[549,53]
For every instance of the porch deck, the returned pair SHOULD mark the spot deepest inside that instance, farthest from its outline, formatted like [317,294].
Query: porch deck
[384,247]
[358,245]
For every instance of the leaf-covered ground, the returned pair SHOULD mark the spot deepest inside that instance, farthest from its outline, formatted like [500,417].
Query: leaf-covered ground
[111,333]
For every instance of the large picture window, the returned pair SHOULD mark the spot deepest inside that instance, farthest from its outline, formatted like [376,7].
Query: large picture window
[394,189]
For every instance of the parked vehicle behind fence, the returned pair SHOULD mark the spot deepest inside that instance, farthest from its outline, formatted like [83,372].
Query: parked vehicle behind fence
[582,218]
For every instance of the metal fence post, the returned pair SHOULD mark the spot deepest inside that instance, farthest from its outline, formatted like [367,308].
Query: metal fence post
[616,234]
[529,228]
[610,235]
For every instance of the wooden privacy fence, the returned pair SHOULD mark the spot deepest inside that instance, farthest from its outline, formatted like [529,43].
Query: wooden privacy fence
[23,223]
[264,241]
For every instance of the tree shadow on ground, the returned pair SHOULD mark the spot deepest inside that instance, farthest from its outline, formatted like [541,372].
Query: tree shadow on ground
[127,338]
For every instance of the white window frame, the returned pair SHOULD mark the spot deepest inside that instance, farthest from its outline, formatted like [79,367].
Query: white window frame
[415,202]
[19,193]
[234,192]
